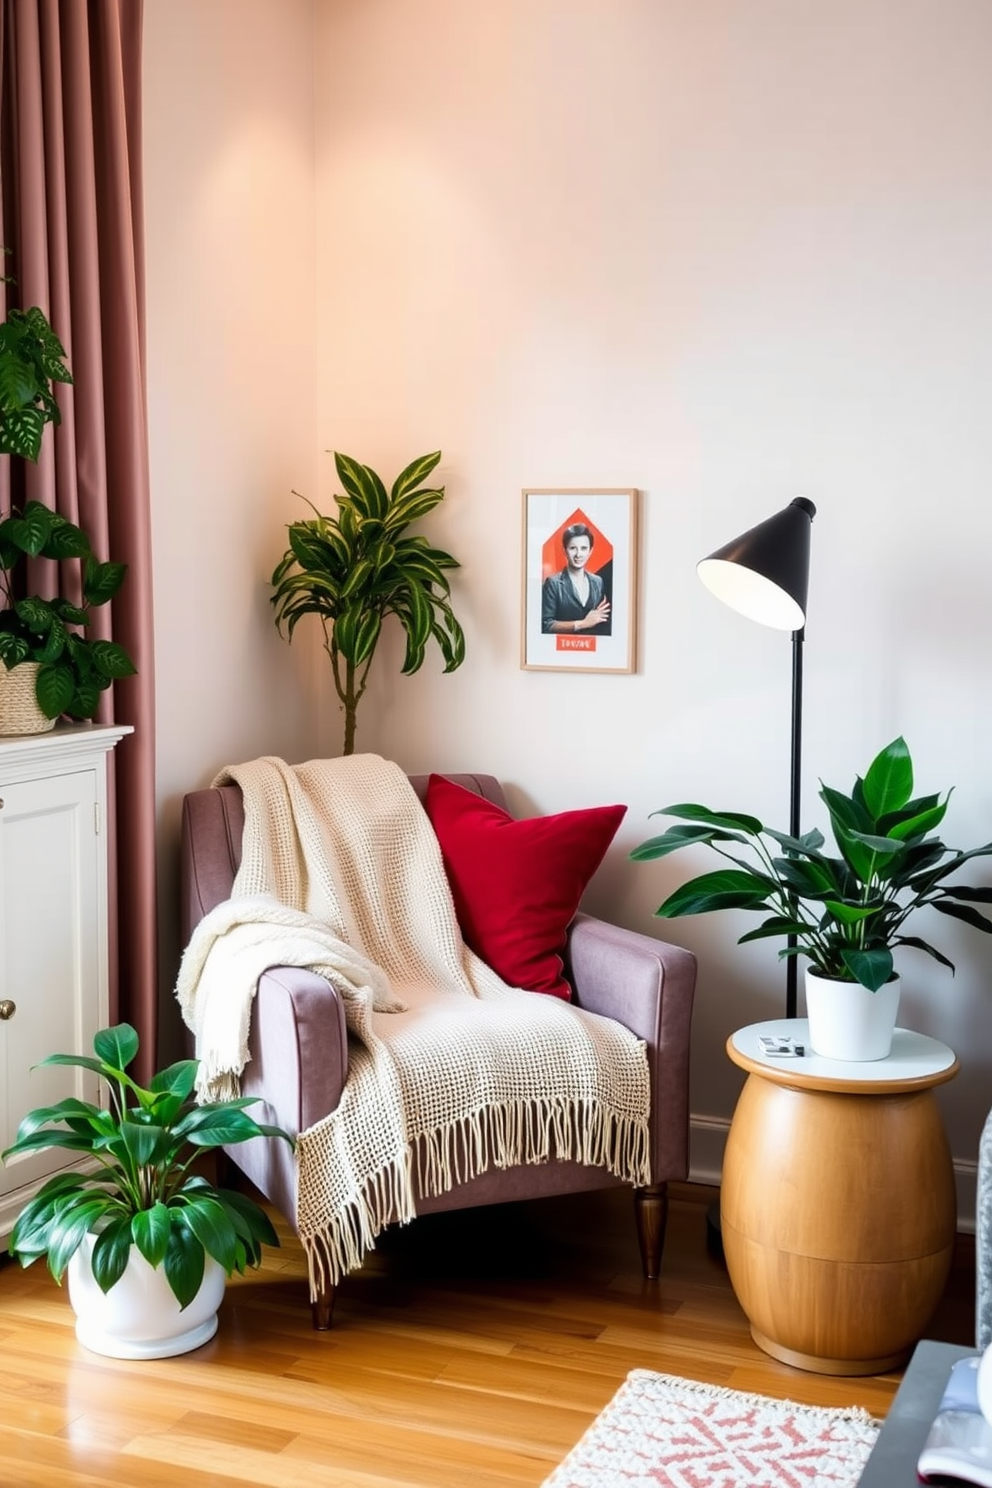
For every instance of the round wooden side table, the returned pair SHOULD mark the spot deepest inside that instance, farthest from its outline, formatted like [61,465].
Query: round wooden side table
[837,1201]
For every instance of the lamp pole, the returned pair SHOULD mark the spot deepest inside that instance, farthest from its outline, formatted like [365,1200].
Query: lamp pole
[798,637]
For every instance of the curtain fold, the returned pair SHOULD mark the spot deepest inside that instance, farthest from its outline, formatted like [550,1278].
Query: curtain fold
[71,185]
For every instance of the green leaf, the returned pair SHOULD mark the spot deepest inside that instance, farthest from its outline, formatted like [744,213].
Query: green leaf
[250,1221]
[888,784]
[811,879]
[922,945]
[850,914]
[357,580]
[871,968]
[110,661]
[146,1144]
[184,1263]
[30,531]
[410,508]
[974,896]
[963,912]
[221,1125]
[176,1079]
[111,1251]
[362,485]
[724,889]
[212,1226]
[150,1232]
[678,837]
[69,1228]
[65,540]
[775,926]
[116,1046]
[733,821]
[808,845]
[413,475]
[55,689]
[101,581]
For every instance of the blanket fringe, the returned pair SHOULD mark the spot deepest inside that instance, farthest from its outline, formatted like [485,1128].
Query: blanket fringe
[503,1136]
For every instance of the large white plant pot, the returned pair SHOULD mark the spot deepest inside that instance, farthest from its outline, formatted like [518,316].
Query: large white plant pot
[140,1318]
[848,1022]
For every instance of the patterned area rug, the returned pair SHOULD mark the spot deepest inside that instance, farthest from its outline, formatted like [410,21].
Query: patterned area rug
[659,1431]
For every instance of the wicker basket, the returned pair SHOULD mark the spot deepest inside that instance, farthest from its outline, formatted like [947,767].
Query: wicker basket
[19,711]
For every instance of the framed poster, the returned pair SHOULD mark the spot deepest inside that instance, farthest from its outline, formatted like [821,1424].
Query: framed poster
[579,579]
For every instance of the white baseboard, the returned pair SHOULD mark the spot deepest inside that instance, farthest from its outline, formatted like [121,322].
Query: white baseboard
[708,1137]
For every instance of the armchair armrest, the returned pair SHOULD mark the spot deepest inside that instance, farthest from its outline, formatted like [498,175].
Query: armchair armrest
[299,1047]
[648,986]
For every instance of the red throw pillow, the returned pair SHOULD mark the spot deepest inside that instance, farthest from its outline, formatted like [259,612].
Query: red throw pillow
[517,884]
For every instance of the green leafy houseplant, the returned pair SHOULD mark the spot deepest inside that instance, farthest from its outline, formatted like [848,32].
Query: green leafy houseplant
[353,569]
[845,912]
[73,671]
[143,1192]
[31,359]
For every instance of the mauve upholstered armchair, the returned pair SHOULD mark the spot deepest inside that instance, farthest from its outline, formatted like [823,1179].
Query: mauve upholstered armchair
[299,1047]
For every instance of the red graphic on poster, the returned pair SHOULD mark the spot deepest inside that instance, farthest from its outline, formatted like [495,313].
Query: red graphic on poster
[551,552]
[553,561]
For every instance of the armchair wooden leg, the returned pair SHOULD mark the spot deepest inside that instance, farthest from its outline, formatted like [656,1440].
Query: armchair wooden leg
[651,1214]
[322,1308]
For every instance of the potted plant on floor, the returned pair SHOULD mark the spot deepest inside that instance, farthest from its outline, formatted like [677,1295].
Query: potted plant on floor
[353,569]
[147,1242]
[847,913]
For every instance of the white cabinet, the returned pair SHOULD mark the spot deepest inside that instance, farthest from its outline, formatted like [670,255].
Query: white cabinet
[53,931]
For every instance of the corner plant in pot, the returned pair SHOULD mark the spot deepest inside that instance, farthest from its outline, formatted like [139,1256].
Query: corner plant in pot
[846,913]
[353,569]
[148,1243]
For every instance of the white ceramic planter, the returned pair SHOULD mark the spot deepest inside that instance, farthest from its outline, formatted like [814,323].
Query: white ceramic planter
[848,1022]
[140,1318]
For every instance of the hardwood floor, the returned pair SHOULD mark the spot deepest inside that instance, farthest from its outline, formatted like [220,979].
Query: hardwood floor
[471,1352]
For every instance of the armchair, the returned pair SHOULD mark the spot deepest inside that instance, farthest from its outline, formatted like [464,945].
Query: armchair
[299,1048]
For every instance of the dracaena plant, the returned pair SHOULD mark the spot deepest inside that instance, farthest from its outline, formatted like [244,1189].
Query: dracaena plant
[73,670]
[353,569]
[142,1192]
[845,912]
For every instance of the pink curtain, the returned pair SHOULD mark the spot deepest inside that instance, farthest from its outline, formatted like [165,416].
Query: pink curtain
[71,178]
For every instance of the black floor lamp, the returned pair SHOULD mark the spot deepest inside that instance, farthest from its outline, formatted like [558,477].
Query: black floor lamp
[764,574]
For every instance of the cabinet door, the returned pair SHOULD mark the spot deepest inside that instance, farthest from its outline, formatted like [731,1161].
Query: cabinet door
[51,953]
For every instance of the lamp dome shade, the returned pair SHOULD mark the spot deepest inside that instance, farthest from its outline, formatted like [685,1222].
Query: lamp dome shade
[764,573]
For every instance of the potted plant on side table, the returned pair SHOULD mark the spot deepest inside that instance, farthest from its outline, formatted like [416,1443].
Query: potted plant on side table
[148,1243]
[847,913]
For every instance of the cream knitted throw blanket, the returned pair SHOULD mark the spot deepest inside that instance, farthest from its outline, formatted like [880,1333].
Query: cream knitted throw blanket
[450,1071]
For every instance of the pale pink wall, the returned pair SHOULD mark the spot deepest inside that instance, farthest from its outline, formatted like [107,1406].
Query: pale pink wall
[231,372]
[727,254]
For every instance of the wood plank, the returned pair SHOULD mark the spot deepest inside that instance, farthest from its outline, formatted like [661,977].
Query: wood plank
[471,1349]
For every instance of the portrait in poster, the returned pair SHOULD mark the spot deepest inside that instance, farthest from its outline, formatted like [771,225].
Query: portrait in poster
[579,549]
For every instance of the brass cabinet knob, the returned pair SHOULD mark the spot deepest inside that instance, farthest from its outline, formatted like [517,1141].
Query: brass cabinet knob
[7,1009]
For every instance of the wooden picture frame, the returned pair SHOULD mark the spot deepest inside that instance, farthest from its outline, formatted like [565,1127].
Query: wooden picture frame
[579,608]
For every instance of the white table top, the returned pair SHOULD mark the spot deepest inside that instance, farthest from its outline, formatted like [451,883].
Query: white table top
[914,1056]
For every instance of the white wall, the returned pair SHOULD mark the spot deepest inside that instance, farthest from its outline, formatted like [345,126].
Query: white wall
[726,254]
[229,211]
